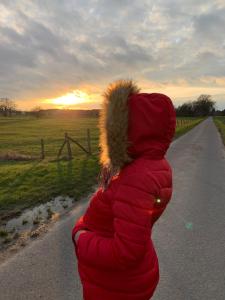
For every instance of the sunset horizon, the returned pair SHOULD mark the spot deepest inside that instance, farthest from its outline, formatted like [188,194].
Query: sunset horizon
[50,51]
[90,101]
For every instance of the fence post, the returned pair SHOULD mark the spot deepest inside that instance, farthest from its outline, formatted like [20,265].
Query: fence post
[61,148]
[89,140]
[68,146]
[42,149]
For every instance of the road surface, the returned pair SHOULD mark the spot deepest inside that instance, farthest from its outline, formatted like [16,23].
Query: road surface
[189,238]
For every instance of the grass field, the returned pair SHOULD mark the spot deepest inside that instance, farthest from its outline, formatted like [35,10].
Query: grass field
[24,184]
[23,135]
[220,123]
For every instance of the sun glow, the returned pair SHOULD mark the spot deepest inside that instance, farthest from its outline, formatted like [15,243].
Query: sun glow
[70,99]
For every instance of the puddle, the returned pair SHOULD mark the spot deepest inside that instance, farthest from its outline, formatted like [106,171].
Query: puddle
[32,223]
[32,219]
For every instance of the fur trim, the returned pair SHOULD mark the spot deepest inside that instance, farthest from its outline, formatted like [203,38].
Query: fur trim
[113,125]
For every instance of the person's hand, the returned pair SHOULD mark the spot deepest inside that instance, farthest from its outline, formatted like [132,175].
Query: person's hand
[78,234]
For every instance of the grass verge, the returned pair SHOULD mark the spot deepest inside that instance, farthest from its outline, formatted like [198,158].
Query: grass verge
[180,130]
[220,124]
[26,184]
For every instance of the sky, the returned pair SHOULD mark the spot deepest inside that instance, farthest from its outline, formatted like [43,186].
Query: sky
[64,53]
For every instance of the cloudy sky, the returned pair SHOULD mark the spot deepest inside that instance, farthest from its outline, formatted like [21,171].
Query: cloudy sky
[54,50]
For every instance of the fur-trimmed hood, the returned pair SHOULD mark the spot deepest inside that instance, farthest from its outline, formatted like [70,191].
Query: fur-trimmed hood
[134,124]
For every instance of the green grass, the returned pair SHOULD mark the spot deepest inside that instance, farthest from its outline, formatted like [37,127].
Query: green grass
[220,124]
[187,124]
[23,135]
[24,184]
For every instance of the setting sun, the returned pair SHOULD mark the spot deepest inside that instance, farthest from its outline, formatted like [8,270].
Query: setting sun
[70,99]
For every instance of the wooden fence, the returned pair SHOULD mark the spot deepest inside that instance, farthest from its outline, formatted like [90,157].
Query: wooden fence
[67,143]
[68,140]
[183,122]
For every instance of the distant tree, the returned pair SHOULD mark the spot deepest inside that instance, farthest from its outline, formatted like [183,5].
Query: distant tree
[219,112]
[37,111]
[204,106]
[186,109]
[7,106]
[213,111]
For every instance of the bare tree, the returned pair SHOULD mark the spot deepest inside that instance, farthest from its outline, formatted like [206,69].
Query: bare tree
[7,106]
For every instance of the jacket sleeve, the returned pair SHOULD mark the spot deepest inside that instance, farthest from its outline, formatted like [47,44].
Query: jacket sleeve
[132,230]
[80,224]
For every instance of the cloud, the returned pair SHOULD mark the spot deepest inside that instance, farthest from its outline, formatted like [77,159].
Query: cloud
[53,47]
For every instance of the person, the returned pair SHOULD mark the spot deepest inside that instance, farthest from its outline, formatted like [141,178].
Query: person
[115,253]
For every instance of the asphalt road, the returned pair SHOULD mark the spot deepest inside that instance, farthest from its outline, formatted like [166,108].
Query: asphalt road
[189,238]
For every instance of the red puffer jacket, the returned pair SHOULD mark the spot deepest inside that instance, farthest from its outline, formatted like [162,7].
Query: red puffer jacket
[116,255]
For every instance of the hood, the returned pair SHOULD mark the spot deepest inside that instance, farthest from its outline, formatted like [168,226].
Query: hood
[134,124]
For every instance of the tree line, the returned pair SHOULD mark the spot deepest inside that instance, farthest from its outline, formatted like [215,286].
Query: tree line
[203,106]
